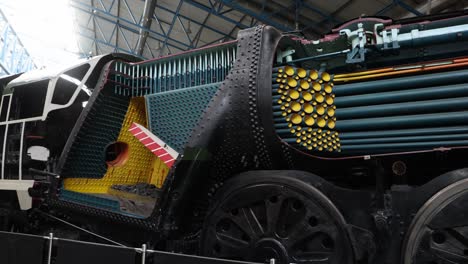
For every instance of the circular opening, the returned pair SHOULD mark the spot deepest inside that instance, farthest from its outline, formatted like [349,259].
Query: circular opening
[116,153]
[328,243]
[438,237]
[296,205]
[274,199]
[313,221]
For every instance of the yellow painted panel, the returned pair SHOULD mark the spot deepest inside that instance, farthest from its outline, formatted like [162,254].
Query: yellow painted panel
[142,166]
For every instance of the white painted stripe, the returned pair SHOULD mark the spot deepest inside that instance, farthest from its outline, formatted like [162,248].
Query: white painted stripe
[156,149]
[150,144]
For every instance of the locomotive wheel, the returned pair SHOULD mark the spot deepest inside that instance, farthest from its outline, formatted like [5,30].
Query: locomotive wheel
[259,216]
[439,231]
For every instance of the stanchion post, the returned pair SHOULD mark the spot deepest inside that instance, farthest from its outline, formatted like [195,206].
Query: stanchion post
[49,253]
[143,254]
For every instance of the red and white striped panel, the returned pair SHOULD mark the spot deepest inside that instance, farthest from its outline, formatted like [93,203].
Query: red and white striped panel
[167,154]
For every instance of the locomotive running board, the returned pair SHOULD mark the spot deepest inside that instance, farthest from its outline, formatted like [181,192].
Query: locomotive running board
[51,249]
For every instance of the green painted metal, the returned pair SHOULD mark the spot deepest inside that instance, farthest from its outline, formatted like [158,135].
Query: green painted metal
[102,125]
[410,95]
[405,132]
[403,83]
[427,106]
[407,121]
[394,147]
[172,115]
[90,200]
[404,139]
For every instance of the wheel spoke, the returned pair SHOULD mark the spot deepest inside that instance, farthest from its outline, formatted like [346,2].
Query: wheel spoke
[284,220]
[273,210]
[230,241]
[249,219]
[300,232]
[313,257]
[446,255]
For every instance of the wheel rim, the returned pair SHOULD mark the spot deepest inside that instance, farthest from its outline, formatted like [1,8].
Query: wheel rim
[439,231]
[291,223]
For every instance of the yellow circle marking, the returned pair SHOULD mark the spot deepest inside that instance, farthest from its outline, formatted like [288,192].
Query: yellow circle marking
[292,82]
[301,73]
[316,86]
[319,98]
[331,124]
[313,75]
[326,76]
[309,121]
[304,84]
[296,119]
[321,122]
[328,100]
[320,110]
[330,112]
[307,96]
[294,94]
[328,88]
[289,70]
[308,108]
[296,107]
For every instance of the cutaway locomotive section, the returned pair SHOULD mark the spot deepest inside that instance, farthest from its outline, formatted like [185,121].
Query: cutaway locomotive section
[346,149]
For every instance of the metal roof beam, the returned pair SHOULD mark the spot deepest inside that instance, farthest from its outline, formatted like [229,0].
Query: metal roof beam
[109,17]
[216,13]
[105,43]
[174,18]
[150,5]
[194,21]
[259,16]
[14,57]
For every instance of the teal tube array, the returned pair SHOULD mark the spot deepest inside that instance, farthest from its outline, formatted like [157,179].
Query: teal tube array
[186,70]
[409,113]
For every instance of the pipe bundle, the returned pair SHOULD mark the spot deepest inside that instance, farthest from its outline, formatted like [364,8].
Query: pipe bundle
[403,114]
[186,70]
[407,113]
[303,108]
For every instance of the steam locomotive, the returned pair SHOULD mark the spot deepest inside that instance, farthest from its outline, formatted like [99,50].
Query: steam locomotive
[346,149]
